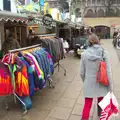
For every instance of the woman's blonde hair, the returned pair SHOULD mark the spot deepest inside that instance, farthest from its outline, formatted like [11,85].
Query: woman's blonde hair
[93,39]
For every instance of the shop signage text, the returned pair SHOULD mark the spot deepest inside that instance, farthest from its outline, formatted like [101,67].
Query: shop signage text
[47,20]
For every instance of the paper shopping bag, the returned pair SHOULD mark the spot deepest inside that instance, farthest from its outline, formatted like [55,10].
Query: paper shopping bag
[109,107]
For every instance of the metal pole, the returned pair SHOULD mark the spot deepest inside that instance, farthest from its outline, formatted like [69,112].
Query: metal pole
[70,10]
[82,10]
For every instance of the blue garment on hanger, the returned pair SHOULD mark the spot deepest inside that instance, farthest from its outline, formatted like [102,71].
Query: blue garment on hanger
[41,2]
[45,62]
[50,61]
[40,62]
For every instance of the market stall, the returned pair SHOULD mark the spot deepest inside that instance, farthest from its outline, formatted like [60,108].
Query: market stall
[16,24]
[37,25]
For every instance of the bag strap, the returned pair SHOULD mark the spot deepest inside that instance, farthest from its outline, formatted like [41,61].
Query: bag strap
[103,59]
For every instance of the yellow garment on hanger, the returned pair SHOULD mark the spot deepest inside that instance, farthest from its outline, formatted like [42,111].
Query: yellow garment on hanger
[45,8]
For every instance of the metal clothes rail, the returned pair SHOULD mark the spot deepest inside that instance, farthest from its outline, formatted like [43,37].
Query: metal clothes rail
[25,48]
[46,35]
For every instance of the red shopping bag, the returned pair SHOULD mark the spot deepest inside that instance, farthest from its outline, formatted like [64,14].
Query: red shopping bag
[101,75]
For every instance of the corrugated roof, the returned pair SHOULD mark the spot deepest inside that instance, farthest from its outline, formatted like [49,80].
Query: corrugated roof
[9,16]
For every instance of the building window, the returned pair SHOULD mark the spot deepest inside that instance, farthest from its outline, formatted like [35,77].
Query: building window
[115,1]
[93,2]
[7,5]
[118,1]
[88,2]
[99,1]
[103,2]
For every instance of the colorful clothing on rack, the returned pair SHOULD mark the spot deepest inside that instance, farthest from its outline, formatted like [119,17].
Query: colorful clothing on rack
[6,87]
[30,76]
[45,63]
[21,78]
[8,60]
[50,61]
[29,71]
[39,78]
[39,71]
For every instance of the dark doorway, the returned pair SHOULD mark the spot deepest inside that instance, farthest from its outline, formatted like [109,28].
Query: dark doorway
[103,32]
[7,5]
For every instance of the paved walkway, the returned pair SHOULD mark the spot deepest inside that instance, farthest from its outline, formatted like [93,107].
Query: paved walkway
[65,102]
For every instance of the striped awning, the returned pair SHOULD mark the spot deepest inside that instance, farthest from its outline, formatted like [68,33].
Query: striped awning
[13,17]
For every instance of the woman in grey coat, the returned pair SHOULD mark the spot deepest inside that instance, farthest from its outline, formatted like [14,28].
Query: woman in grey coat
[88,68]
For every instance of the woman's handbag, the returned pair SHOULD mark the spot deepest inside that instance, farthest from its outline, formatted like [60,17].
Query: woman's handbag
[101,75]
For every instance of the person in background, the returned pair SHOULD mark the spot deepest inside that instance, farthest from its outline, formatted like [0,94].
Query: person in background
[115,34]
[10,43]
[65,46]
[88,69]
[115,38]
[30,37]
[89,31]
[93,30]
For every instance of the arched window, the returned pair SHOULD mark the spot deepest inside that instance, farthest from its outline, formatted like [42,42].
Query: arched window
[100,13]
[90,13]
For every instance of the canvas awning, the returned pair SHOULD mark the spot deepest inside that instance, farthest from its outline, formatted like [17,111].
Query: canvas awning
[13,17]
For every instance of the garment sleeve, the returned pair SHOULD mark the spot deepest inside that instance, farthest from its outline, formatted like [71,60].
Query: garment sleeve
[82,67]
[109,70]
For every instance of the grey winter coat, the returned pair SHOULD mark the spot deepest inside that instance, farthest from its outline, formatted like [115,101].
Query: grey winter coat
[88,68]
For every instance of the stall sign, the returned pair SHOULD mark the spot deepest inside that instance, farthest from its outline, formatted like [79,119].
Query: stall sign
[47,20]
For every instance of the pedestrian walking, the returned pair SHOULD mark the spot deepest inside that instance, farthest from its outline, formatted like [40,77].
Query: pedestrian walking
[88,68]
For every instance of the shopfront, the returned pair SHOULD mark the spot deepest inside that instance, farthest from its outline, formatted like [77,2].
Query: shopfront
[16,24]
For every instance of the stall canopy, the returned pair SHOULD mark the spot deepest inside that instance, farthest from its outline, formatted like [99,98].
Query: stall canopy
[8,16]
[38,20]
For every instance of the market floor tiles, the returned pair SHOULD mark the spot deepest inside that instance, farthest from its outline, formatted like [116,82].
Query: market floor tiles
[66,100]
[60,113]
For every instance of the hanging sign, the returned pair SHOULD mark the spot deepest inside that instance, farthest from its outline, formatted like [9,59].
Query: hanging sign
[47,20]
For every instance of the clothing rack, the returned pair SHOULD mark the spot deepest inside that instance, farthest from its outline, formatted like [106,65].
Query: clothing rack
[15,95]
[46,35]
[25,48]
[58,63]
[31,47]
